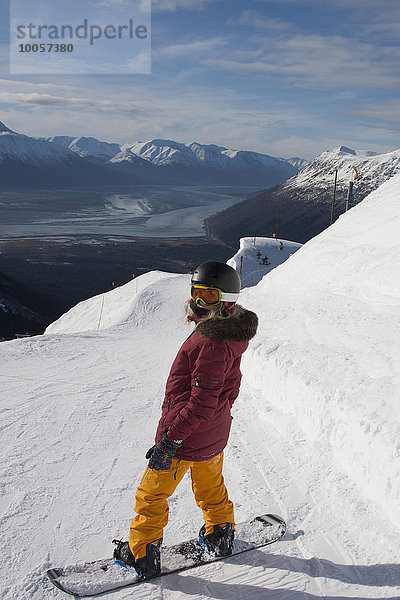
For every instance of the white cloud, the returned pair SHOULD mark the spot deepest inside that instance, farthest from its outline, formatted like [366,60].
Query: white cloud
[198,47]
[322,62]
[350,4]
[26,86]
[382,115]
[380,18]
[201,114]
[140,6]
[255,19]
[174,5]
[78,102]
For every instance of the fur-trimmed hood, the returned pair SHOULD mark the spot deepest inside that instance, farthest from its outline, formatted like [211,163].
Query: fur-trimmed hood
[241,326]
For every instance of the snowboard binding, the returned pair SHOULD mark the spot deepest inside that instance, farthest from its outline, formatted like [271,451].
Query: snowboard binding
[219,542]
[146,567]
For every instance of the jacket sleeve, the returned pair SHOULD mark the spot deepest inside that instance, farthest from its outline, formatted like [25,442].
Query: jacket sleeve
[207,380]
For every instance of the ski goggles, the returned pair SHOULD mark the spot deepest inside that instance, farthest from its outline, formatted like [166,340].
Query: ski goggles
[210,295]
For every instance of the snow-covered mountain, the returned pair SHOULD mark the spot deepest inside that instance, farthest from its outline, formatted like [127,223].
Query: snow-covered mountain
[371,170]
[169,152]
[298,163]
[87,147]
[157,161]
[205,163]
[314,436]
[36,162]
[5,129]
[300,207]
[33,150]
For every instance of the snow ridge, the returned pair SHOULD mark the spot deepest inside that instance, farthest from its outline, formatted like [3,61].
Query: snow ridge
[337,372]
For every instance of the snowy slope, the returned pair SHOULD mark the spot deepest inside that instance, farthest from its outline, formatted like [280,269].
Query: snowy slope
[314,437]
[298,163]
[343,289]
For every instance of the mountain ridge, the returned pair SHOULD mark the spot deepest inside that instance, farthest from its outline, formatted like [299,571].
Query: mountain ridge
[300,207]
[89,161]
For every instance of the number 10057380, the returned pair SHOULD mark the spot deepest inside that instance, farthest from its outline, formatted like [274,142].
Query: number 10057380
[39,48]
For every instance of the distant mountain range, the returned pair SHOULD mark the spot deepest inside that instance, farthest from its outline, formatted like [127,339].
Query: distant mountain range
[85,161]
[168,152]
[300,208]
[36,163]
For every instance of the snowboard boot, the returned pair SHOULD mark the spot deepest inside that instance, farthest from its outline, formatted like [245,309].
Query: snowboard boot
[146,567]
[220,541]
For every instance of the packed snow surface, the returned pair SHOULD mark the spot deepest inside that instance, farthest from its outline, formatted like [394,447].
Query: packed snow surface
[315,435]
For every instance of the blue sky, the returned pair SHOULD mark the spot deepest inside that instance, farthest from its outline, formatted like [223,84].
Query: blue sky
[287,78]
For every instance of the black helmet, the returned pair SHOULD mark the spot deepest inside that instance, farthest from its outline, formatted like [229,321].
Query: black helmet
[219,275]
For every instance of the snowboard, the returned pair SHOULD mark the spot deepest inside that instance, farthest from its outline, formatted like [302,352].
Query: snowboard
[100,576]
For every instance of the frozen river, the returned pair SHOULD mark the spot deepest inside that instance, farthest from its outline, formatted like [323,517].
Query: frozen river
[140,211]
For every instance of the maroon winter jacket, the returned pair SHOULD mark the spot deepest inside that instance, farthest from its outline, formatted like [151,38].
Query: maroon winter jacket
[203,384]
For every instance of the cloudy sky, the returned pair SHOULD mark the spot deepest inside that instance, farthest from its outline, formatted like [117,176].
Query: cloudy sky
[287,78]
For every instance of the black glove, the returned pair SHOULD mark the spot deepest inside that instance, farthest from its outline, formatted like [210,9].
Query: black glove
[162,453]
[150,452]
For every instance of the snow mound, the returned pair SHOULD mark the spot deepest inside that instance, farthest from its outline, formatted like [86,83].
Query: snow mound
[138,301]
[257,256]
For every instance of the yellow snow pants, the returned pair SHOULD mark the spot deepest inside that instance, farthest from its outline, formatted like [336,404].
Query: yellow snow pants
[156,486]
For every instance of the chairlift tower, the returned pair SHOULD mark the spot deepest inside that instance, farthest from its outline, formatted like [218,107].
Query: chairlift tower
[350,194]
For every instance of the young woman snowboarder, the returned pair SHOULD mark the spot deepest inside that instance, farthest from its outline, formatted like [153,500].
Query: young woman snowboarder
[194,427]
